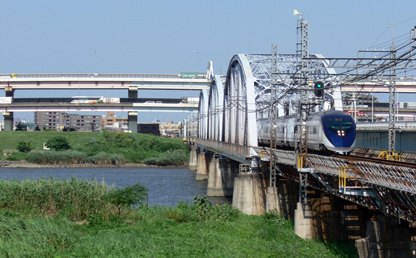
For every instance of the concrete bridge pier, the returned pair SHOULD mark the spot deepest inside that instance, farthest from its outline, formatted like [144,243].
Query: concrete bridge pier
[272,200]
[222,173]
[304,221]
[132,120]
[193,158]
[249,192]
[8,121]
[202,165]
[387,236]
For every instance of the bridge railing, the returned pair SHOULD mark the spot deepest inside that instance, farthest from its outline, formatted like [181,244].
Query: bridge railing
[237,150]
[94,75]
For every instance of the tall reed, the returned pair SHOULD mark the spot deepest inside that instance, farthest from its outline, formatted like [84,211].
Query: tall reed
[74,198]
[54,157]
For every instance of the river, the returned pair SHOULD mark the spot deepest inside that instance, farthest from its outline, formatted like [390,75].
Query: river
[167,186]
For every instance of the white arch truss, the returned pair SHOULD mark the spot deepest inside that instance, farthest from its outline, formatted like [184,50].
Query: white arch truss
[203,115]
[215,109]
[229,111]
[239,126]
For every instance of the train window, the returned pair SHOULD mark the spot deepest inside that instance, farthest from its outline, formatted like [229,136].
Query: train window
[338,123]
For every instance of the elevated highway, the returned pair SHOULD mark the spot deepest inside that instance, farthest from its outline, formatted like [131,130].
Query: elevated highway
[103,81]
[131,82]
[403,85]
[126,105]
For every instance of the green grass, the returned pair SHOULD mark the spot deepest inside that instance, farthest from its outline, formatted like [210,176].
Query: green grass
[10,139]
[98,148]
[188,230]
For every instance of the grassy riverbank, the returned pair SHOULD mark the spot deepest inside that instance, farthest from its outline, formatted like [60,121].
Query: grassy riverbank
[96,148]
[75,218]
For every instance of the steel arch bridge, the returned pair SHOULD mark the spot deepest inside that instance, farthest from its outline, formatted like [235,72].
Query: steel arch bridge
[228,111]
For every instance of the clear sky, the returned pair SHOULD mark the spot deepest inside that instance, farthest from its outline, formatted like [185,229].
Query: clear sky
[173,36]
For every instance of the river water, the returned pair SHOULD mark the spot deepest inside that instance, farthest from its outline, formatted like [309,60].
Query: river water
[166,186]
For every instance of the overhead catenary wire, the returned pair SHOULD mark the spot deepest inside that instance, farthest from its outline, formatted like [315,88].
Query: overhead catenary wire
[376,67]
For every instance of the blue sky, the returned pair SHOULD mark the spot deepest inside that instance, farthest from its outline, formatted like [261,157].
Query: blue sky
[180,36]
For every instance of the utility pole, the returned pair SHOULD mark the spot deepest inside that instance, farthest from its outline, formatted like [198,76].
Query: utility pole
[273,117]
[303,52]
[303,30]
[392,100]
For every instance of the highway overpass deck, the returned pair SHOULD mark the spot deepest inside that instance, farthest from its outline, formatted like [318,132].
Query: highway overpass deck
[125,105]
[103,81]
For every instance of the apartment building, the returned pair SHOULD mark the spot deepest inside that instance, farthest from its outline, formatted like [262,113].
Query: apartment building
[61,120]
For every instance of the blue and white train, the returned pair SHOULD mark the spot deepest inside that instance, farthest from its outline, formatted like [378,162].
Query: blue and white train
[328,131]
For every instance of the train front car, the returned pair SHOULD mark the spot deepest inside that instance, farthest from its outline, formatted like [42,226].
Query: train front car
[339,132]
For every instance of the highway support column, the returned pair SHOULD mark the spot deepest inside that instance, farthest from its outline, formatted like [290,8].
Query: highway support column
[8,121]
[202,166]
[9,91]
[132,122]
[193,158]
[249,194]
[133,92]
[222,172]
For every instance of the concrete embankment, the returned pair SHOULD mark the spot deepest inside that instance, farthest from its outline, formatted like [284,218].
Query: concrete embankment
[20,164]
[26,164]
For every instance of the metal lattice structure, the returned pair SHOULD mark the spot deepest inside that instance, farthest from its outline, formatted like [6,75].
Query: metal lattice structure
[392,103]
[273,115]
[268,86]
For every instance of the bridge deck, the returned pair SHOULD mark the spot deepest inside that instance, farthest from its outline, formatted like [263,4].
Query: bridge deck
[390,189]
[125,105]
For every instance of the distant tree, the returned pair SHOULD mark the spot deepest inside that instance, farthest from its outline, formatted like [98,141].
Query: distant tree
[24,146]
[37,128]
[58,143]
[19,127]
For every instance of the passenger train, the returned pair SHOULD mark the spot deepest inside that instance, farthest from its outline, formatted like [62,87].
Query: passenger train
[327,131]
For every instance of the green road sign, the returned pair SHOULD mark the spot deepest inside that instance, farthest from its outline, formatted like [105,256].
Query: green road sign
[189,75]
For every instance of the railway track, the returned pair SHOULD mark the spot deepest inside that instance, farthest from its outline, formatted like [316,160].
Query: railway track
[352,159]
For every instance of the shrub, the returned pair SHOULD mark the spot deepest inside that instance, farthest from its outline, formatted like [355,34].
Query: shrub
[24,146]
[203,210]
[131,195]
[58,143]
[14,156]
[106,158]
[51,157]
[168,158]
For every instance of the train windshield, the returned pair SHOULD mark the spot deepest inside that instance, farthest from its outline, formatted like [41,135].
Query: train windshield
[338,122]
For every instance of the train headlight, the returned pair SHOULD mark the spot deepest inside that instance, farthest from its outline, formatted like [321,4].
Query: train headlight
[341,133]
